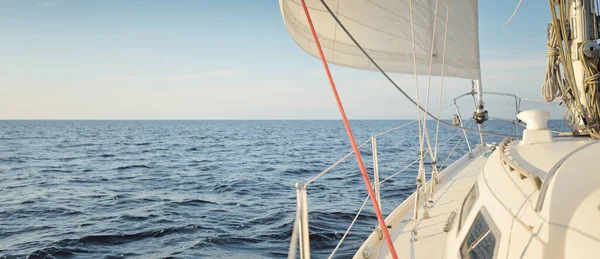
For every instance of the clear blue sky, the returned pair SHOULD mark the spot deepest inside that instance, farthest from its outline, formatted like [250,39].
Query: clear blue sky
[200,59]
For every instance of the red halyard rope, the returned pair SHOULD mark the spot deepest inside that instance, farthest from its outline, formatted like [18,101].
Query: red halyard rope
[361,165]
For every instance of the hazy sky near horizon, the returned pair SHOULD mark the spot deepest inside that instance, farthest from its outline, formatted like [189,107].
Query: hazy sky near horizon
[134,59]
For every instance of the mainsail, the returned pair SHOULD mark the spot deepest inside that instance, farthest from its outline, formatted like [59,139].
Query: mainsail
[383,29]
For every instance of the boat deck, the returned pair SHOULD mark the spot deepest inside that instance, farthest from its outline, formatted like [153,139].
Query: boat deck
[455,183]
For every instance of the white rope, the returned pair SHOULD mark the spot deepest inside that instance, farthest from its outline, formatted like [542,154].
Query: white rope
[538,100]
[437,128]
[420,179]
[335,164]
[425,133]
[552,86]
[301,202]
[450,138]
[349,227]
[314,178]
[417,160]
[393,129]
[401,170]
[366,199]
[451,151]
[412,28]
[513,15]
[569,87]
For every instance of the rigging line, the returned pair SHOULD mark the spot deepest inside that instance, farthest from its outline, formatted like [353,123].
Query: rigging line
[314,178]
[361,165]
[396,85]
[452,151]
[437,128]
[393,129]
[401,170]
[412,29]
[514,13]
[558,100]
[425,133]
[417,160]
[348,230]
[319,175]
[421,172]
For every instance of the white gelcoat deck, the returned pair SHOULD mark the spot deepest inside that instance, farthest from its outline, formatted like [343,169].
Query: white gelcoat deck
[455,182]
[568,225]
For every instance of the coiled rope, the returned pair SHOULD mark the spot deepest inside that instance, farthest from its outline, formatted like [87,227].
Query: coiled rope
[552,86]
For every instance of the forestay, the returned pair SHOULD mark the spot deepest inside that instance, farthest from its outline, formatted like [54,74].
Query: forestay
[383,29]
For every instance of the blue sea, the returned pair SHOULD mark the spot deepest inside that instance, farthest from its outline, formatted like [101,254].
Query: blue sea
[196,189]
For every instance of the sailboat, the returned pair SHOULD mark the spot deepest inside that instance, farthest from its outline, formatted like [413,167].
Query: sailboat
[536,194]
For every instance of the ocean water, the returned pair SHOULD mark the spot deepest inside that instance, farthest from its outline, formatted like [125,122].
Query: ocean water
[195,189]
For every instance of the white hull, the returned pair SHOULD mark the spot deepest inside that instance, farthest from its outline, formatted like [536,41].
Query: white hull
[455,182]
[566,225]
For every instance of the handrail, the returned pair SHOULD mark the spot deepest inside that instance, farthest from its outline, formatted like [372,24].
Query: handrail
[300,229]
[516,98]
[317,176]
[361,208]
[401,170]
[512,166]
[394,129]
[314,178]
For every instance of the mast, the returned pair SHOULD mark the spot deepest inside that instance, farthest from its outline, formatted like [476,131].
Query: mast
[572,36]
[480,115]
[573,70]
[584,28]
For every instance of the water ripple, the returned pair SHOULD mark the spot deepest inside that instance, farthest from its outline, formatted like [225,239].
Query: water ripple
[189,189]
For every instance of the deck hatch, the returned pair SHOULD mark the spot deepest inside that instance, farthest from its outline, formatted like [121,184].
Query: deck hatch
[468,204]
[481,240]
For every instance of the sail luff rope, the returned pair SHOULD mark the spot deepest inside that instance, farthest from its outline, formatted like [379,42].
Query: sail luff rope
[552,86]
[410,99]
[361,165]
[437,128]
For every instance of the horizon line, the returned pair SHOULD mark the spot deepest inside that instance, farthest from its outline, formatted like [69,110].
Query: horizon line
[158,119]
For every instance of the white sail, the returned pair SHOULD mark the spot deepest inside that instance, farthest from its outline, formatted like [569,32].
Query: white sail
[383,29]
